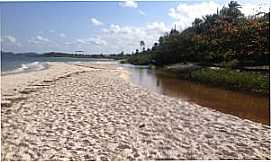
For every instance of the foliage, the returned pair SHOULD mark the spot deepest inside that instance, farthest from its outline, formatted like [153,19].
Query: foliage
[218,38]
[143,58]
[96,56]
[142,45]
[232,79]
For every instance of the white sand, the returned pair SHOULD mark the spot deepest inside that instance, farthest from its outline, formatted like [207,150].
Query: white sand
[71,112]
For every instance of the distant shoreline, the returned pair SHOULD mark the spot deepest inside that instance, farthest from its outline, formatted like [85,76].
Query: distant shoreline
[17,63]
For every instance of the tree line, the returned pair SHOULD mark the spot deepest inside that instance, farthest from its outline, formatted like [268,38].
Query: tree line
[227,38]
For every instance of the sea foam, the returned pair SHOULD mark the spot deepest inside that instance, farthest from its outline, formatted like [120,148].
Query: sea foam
[33,66]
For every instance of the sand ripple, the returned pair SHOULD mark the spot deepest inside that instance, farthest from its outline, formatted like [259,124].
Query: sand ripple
[82,113]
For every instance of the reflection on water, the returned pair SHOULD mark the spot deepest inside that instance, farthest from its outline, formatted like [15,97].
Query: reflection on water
[255,108]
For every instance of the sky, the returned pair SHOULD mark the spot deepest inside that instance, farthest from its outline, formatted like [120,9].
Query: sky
[101,27]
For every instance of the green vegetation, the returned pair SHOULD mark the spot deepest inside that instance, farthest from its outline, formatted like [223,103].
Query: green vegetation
[119,56]
[231,79]
[143,58]
[226,39]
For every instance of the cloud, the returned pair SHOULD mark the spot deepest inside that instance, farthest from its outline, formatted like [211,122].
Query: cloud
[157,27]
[68,43]
[141,12]
[97,41]
[127,38]
[92,41]
[52,31]
[10,43]
[40,38]
[184,14]
[62,35]
[33,41]
[96,22]
[128,3]
[112,29]
[9,38]
[253,7]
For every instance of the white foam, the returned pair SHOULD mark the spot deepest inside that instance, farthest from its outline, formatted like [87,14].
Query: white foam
[28,67]
[105,62]
[74,62]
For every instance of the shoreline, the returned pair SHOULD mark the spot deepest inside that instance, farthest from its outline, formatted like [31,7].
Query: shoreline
[228,79]
[193,72]
[18,71]
[93,112]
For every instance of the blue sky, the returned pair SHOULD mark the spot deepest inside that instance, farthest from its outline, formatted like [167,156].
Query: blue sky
[99,27]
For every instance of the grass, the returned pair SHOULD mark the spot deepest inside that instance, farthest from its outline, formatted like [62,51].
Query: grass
[232,79]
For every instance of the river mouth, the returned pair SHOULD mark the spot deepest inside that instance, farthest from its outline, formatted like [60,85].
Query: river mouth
[246,106]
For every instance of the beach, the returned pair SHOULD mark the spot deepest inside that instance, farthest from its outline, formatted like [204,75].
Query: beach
[94,112]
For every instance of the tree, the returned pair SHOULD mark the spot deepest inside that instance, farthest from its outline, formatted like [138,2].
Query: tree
[231,13]
[142,44]
[222,37]
[196,22]
[233,5]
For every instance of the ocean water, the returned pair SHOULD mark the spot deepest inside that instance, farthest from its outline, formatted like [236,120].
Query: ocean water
[11,63]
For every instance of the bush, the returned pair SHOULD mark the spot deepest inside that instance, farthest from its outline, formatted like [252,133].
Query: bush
[140,59]
[232,79]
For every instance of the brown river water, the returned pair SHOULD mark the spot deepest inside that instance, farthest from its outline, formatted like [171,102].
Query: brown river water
[246,106]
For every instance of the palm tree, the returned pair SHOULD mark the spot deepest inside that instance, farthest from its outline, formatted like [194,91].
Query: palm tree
[234,5]
[234,9]
[142,45]
[196,24]
[232,13]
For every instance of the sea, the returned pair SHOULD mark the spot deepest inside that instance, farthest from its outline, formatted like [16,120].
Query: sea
[18,63]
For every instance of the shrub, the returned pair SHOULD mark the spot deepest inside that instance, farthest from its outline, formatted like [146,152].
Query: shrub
[248,81]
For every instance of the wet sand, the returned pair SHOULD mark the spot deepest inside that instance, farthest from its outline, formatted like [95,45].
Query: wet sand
[93,112]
